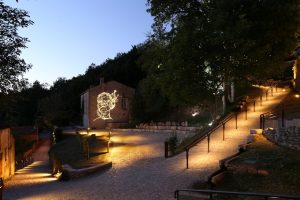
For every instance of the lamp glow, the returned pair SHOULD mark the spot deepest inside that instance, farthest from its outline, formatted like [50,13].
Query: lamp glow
[105,103]
[195,114]
[297,96]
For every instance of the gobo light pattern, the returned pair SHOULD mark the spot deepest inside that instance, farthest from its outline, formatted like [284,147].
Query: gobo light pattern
[105,103]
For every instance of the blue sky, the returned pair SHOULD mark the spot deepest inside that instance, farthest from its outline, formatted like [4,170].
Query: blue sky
[69,35]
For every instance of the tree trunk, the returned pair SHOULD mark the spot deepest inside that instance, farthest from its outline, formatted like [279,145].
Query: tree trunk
[226,90]
[232,90]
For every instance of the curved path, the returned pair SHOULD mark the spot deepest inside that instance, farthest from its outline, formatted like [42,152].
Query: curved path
[139,170]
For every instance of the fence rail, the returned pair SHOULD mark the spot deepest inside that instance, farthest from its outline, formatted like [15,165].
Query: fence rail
[211,193]
[243,107]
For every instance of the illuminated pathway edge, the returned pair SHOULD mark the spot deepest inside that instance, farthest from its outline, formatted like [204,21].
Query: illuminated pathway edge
[139,169]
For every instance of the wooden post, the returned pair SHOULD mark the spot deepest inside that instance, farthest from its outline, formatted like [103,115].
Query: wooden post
[107,146]
[223,131]
[236,120]
[246,110]
[282,116]
[272,91]
[166,149]
[187,158]
[260,100]
[267,95]
[254,105]
[208,141]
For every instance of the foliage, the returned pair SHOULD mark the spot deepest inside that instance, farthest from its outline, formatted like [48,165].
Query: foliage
[70,151]
[281,167]
[172,142]
[58,133]
[149,103]
[65,94]
[20,108]
[60,104]
[12,66]
[201,46]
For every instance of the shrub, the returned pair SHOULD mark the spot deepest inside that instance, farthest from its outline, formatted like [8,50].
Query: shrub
[58,134]
[173,142]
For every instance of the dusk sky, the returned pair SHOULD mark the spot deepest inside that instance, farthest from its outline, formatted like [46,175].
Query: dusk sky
[67,35]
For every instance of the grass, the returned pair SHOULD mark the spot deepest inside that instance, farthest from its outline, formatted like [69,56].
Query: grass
[70,151]
[264,167]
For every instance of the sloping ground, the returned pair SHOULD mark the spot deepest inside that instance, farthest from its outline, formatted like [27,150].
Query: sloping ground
[264,167]
[140,170]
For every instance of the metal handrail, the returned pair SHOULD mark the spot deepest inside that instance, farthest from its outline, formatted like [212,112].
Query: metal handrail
[210,131]
[256,194]
[222,122]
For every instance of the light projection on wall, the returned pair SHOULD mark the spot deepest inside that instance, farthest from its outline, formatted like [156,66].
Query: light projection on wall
[105,103]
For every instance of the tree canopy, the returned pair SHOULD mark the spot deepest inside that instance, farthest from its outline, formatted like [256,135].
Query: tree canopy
[12,67]
[205,45]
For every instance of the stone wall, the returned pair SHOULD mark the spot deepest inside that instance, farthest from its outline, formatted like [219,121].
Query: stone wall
[181,130]
[288,136]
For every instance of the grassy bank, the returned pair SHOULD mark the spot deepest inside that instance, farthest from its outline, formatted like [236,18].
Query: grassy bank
[264,167]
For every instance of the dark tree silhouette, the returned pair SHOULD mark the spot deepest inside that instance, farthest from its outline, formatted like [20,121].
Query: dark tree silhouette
[12,66]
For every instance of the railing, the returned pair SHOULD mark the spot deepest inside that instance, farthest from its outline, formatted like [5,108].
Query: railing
[244,108]
[281,112]
[210,194]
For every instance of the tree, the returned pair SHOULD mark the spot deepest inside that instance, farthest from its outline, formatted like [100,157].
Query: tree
[12,67]
[205,46]
[20,108]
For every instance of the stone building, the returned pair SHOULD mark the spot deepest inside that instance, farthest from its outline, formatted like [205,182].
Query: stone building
[106,105]
[7,154]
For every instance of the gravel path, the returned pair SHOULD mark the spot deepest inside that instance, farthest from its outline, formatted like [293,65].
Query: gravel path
[139,169]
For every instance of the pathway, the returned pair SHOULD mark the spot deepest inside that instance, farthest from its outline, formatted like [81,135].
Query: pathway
[139,169]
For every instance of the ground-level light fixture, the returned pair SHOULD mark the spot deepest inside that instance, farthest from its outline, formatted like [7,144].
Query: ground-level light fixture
[195,114]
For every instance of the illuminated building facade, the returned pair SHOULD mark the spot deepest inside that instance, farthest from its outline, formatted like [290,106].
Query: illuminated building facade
[7,154]
[296,71]
[106,105]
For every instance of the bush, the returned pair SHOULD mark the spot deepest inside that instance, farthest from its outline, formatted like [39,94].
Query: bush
[173,143]
[58,134]
[64,176]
